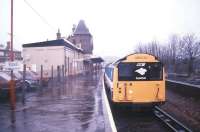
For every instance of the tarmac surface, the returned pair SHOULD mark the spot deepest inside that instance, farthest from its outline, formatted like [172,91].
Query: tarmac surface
[72,106]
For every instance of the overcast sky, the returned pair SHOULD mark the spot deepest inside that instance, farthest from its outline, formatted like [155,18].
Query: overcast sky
[116,25]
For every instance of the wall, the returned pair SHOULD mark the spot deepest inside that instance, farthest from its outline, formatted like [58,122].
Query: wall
[54,56]
[46,56]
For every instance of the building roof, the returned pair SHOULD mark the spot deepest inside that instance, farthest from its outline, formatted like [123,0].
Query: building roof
[81,28]
[58,42]
[94,60]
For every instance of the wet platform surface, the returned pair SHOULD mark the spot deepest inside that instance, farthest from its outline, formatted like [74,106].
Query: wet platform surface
[73,106]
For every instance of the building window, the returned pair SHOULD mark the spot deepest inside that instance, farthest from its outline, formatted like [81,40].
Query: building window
[6,54]
[1,53]
[74,42]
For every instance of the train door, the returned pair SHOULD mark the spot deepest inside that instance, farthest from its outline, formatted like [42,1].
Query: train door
[122,89]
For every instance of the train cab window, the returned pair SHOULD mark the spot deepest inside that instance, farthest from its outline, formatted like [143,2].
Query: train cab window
[139,71]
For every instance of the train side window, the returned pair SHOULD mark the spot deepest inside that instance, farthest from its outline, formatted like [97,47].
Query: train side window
[111,74]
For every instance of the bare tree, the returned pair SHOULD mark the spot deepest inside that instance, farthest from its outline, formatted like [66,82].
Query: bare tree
[139,48]
[179,50]
[154,48]
[172,50]
[189,49]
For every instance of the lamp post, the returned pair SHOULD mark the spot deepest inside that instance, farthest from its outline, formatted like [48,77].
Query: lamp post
[12,85]
[11,33]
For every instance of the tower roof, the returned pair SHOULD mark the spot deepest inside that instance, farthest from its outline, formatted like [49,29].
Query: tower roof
[81,28]
[58,34]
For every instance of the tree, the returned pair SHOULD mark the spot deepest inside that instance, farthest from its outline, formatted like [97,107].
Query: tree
[189,50]
[173,45]
[179,50]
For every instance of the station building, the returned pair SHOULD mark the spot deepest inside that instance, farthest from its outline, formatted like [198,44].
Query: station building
[69,53]
[54,53]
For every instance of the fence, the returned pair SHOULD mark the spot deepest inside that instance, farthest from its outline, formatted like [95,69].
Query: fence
[21,83]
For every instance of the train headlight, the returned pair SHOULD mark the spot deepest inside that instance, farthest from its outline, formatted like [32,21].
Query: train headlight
[130,91]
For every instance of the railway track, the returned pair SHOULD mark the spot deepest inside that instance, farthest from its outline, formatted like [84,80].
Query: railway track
[171,122]
[128,120]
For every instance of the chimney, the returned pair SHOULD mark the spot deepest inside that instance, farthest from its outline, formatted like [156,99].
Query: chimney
[74,27]
[58,34]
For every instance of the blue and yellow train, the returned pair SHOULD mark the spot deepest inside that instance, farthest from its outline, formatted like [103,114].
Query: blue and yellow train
[136,79]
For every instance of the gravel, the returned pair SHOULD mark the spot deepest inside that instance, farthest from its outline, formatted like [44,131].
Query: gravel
[184,109]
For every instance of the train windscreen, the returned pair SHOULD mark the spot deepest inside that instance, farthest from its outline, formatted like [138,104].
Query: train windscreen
[140,71]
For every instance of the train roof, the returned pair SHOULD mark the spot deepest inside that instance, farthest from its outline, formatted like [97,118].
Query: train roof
[136,56]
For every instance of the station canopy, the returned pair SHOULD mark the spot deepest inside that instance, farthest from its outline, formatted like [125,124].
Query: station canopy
[93,60]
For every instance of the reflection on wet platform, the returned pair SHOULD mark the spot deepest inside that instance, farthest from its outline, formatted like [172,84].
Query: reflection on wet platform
[69,105]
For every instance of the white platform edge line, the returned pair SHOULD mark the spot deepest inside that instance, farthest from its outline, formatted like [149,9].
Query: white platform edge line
[110,116]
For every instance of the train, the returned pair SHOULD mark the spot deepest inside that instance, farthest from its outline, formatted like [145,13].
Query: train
[137,79]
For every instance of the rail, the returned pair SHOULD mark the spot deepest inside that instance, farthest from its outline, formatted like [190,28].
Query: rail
[183,83]
[171,122]
[188,90]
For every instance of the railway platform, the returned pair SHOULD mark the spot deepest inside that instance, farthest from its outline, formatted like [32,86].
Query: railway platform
[73,105]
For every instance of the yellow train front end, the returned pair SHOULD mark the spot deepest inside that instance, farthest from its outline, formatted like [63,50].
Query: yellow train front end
[139,79]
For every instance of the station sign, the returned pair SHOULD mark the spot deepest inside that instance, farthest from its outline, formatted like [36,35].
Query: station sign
[12,65]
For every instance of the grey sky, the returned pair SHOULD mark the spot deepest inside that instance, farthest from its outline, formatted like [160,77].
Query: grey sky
[116,25]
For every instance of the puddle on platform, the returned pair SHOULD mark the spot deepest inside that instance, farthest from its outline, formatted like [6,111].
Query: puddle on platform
[71,106]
